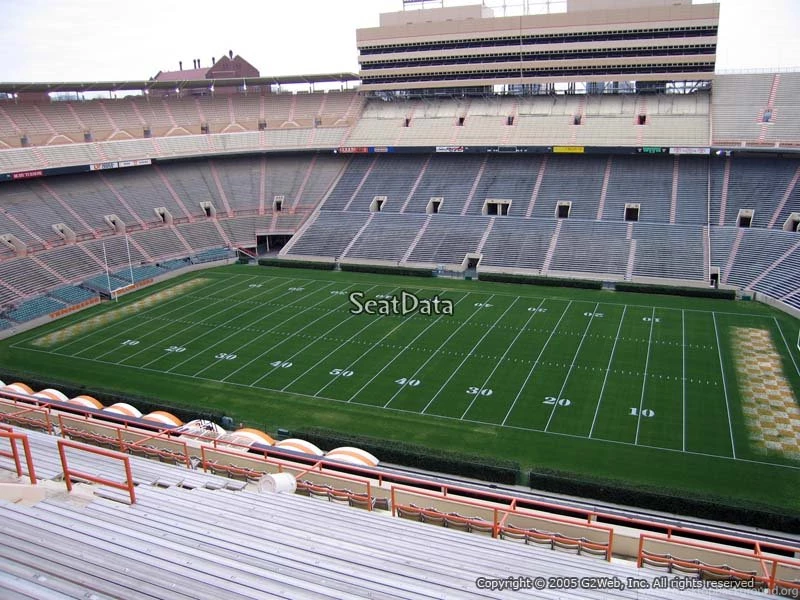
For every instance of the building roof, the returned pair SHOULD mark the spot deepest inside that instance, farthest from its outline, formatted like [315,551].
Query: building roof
[183,74]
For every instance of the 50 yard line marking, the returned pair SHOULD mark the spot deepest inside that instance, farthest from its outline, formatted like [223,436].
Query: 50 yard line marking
[502,358]
[724,385]
[608,370]
[538,358]
[572,366]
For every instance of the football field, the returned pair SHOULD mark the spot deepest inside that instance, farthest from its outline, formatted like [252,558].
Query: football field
[670,376]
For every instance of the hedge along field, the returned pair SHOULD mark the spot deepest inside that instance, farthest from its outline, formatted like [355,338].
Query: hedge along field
[637,390]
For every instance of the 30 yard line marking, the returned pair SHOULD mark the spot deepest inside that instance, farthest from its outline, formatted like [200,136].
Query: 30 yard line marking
[533,367]
[608,370]
[406,347]
[461,364]
[572,366]
[502,358]
[329,354]
[430,358]
[724,385]
[683,378]
[644,380]
[275,345]
[413,412]
[250,324]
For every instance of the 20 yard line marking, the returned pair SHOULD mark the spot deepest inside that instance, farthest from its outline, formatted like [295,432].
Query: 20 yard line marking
[644,380]
[724,384]
[502,358]
[533,368]
[430,358]
[608,370]
[458,368]
[406,347]
[572,366]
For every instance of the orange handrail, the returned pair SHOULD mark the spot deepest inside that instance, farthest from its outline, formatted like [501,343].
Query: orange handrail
[127,485]
[13,437]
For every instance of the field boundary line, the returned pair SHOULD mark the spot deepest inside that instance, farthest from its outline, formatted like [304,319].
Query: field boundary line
[724,383]
[461,364]
[502,358]
[238,331]
[430,415]
[644,377]
[435,352]
[785,343]
[406,347]
[536,362]
[608,370]
[571,367]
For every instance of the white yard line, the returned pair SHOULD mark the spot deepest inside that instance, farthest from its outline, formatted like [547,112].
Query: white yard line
[412,412]
[724,385]
[502,358]
[533,367]
[161,341]
[683,378]
[608,370]
[435,352]
[469,354]
[406,347]
[271,348]
[368,350]
[127,332]
[158,306]
[785,343]
[644,379]
[238,331]
[571,367]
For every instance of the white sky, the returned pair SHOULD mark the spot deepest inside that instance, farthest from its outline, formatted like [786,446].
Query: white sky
[95,40]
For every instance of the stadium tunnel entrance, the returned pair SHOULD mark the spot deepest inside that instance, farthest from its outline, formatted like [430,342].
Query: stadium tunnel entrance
[267,244]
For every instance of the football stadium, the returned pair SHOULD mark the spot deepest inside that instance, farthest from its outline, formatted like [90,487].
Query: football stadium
[514,310]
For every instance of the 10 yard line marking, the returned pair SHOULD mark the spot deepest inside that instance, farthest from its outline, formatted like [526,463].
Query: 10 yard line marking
[724,385]
[572,366]
[608,370]
[538,358]
[502,358]
[458,368]
[644,380]
[430,358]
[406,347]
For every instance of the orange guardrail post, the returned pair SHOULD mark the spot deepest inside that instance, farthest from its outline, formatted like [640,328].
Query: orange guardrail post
[128,484]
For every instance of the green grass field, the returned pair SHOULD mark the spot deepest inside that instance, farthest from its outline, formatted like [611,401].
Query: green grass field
[643,389]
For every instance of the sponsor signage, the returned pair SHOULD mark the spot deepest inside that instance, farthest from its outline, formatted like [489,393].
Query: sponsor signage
[103,166]
[690,150]
[27,174]
[568,149]
[353,149]
[449,148]
[653,150]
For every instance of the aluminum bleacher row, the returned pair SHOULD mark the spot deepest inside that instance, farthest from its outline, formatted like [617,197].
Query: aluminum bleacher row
[187,534]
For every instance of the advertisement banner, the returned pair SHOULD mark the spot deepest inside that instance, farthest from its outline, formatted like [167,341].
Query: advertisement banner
[449,148]
[103,166]
[690,150]
[568,149]
[27,174]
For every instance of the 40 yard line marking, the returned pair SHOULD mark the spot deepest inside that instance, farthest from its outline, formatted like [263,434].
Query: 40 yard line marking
[644,379]
[533,368]
[399,354]
[458,368]
[724,385]
[502,358]
[572,366]
[430,358]
[608,370]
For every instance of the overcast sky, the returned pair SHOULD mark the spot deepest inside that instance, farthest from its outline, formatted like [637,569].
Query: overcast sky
[94,40]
